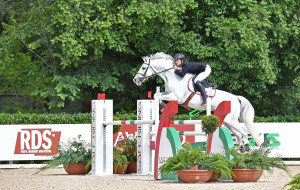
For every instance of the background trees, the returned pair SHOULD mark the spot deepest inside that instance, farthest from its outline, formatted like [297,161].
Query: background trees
[60,52]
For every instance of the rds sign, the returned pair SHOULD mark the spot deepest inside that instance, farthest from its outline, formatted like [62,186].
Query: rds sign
[40,142]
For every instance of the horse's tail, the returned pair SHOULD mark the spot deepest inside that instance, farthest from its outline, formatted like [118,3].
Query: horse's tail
[247,116]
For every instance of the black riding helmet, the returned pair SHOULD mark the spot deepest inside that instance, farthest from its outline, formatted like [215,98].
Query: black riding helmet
[179,56]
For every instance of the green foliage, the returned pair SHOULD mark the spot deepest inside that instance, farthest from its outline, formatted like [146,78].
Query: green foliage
[75,151]
[294,183]
[279,118]
[219,163]
[81,118]
[77,48]
[184,159]
[188,157]
[118,158]
[62,118]
[126,116]
[129,148]
[186,117]
[210,123]
[87,45]
[259,159]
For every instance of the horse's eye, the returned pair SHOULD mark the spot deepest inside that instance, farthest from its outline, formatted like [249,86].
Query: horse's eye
[143,68]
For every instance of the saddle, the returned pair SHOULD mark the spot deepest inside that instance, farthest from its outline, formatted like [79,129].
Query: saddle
[204,83]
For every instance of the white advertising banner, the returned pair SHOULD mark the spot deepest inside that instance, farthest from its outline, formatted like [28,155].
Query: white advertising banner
[38,142]
[283,137]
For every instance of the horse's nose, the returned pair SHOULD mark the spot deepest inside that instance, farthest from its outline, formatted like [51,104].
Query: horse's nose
[135,80]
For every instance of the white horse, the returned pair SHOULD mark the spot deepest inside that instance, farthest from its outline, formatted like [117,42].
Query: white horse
[177,89]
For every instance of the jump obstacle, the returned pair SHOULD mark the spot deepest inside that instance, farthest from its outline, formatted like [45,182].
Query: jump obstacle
[152,134]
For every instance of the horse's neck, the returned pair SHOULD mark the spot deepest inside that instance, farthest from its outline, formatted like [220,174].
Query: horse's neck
[175,83]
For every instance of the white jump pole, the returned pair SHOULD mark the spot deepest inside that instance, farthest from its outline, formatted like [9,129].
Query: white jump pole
[129,122]
[208,103]
[102,137]
[146,110]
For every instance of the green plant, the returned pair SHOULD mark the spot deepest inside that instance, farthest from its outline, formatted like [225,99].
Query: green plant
[119,159]
[188,157]
[294,183]
[257,159]
[129,148]
[218,163]
[183,160]
[210,123]
[75,151]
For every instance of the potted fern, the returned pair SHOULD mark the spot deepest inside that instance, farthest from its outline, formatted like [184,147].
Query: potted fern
[294,183]
[219,164]
[119,161]
[129,148]
[75,157]
[248,166]
[187,157]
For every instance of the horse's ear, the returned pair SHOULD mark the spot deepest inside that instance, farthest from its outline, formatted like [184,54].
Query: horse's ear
[144,58]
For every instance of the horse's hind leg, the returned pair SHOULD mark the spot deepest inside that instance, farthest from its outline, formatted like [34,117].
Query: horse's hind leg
[232,123]
[234,132]
[242,135]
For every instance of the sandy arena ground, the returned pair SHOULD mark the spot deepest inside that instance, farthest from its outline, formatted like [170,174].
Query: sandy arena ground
[59,179]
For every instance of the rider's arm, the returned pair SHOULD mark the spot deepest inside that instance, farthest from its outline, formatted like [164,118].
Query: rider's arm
[185,69]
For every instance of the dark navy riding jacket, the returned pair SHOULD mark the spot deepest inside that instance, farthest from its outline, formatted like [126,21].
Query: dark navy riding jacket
[191,67]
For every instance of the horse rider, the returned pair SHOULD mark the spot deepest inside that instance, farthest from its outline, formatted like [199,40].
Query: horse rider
[202,70]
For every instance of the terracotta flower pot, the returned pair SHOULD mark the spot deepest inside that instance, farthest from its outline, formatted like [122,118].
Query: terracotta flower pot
[256,175]
[246,175]
[194,176]
[76,169]
[131,168]
[213,178]
[121,169]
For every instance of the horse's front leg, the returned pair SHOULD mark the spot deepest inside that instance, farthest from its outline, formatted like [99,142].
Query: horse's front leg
[164,96]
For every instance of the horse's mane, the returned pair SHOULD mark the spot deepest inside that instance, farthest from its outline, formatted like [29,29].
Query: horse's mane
[159,55]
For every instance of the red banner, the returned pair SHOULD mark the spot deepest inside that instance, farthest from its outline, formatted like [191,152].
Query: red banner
[131,129]
[40,142]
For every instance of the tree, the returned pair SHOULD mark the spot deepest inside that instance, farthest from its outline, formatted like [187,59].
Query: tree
[77,48]
[253,48]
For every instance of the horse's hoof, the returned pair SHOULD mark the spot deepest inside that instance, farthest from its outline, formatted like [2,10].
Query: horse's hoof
[246,147]
[242,148]
[161,106]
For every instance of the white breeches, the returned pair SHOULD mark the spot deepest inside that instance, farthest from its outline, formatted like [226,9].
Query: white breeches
[204,74]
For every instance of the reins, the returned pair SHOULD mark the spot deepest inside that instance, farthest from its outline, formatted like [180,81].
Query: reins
[154,73]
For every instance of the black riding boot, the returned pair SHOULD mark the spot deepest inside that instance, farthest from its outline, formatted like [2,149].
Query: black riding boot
[202,91]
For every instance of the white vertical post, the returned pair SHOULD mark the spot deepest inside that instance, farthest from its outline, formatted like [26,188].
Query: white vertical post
[156,111]
[208,104]
[102,137]
[145,111]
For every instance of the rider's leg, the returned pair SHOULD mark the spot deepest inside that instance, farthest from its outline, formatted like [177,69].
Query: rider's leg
[204,74]
[201,88]
[198,80]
